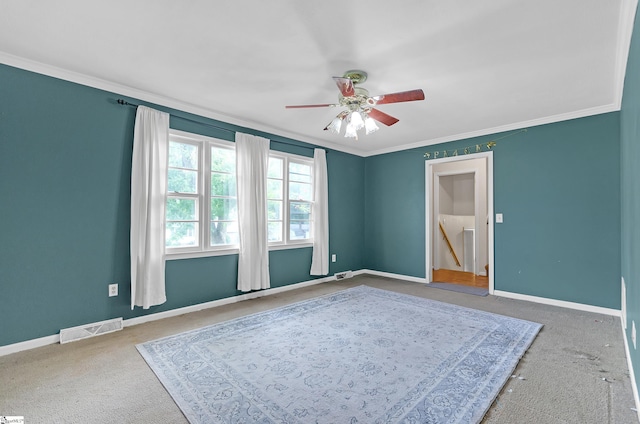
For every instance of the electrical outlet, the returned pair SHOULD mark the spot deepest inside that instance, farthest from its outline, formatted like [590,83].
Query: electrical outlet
[113,290]
[633,333]
[333,257]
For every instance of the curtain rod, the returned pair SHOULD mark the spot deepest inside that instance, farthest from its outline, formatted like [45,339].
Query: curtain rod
[126,103]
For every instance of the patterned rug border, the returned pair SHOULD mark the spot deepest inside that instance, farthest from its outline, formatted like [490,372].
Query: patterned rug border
[257,319]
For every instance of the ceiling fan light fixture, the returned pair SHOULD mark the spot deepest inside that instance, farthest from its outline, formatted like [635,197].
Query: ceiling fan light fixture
[370,125]
[355,120]
[350,131]
[359,112]
[335,125]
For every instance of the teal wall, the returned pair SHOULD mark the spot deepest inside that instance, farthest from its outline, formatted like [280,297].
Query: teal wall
[395,213]
[558,188]
[65,166]
[630,187]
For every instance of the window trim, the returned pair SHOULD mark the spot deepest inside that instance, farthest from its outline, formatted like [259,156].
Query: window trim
[222,144]
[199,196]
[203,249]
[287,242]
[204,144]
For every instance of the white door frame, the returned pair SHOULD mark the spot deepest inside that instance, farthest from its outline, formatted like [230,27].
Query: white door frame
[431,201]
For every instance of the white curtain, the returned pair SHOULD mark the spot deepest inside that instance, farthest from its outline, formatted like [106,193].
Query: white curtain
[252,161]
[148,197]
[320,215]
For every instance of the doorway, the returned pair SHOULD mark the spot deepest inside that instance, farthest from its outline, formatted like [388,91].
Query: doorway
[459,221]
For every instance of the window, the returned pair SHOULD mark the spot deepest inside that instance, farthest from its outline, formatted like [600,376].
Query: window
[202,211]
[300,199]
[275,199]
[224,205]
[183,199]
[289,198]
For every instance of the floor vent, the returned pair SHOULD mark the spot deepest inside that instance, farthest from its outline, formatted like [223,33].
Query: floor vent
[90,330]
[343,275]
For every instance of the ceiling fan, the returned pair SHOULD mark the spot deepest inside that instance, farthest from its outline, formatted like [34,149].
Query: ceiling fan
[360,112]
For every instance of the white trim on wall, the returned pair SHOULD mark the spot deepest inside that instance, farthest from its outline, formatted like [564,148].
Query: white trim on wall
[391,275]
[55,338]
[124,90]
[560,303]
[598,110]
[29,344]
[429,219]
[226,301]
[632,374]
[75,77]
[625,31]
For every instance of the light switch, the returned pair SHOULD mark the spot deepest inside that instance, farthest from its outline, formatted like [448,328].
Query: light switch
[333,257]
[498,218]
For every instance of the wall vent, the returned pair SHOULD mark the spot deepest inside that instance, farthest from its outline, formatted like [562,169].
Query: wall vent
[343,275]
[90,330]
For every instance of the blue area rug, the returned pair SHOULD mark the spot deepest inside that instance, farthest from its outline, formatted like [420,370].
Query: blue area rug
[361,355]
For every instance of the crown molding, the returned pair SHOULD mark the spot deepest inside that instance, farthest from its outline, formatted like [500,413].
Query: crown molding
[625,32]
[495,130]
[627,18]
[145,96]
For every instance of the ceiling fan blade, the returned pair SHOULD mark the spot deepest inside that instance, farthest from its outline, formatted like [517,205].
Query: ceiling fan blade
[305,106]
[345,85]
[382,117]
[403,96]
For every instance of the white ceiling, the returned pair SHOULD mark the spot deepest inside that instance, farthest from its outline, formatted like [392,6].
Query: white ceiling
[485,66]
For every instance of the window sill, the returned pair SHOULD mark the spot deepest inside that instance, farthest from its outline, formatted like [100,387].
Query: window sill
[290,246]
[224,252]
[200,254]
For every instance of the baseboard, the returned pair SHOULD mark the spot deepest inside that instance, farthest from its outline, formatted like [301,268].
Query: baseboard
[390,275]
[632,374]
[561,303]
[518,296]
[226,301]
[29,344]
[55,338]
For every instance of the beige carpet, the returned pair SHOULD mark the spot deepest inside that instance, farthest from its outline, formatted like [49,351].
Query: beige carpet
[575,371]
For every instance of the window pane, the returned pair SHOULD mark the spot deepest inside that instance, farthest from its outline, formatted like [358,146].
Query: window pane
[299,172]
[223,160]
[275,231]
[181,234]
[223,184]
[299,211]
[223,209]
[299,230]
[182,209]
[183,155]
[181,181]
[274,210]
[224,232]
[300,191]
[274,189]
[275,168]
